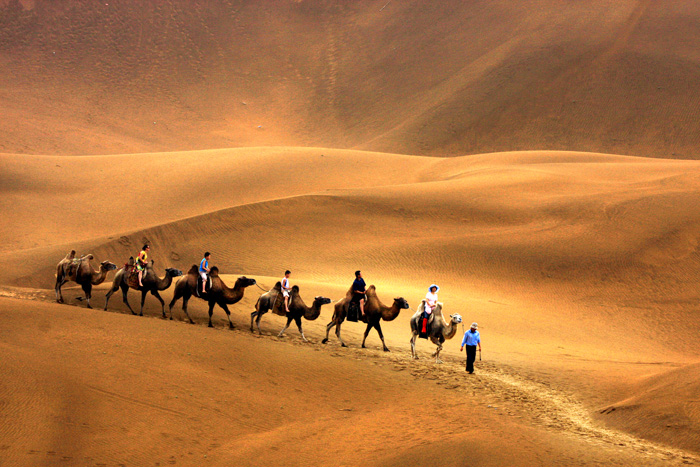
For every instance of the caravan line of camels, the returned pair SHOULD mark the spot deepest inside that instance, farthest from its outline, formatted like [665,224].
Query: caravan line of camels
[81,271]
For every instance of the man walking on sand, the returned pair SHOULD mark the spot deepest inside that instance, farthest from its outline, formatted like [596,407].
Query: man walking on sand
[471,340]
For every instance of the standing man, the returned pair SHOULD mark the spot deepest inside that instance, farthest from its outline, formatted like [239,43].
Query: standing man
[471,340]
[286,289]
[204,270]
[358,291]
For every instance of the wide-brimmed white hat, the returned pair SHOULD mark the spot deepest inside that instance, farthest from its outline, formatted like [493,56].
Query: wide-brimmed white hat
[436,286]
[475,326]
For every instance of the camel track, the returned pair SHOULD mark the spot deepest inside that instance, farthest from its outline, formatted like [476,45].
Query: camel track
[502,388]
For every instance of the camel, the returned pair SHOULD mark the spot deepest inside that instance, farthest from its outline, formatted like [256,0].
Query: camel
[439,330]
[218,294]
[151,283]
[273,301]
[374,312]
[80,271]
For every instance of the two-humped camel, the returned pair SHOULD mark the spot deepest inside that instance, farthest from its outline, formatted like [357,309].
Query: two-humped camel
[80,271]
[219,293]
[274,301]
[375,311]
[151,283]
[439,329]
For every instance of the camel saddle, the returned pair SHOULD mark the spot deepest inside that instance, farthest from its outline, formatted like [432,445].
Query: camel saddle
[132,276]
[353,312]
[425,324]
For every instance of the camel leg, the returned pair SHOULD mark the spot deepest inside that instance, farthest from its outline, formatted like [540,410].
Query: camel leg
[413,346]
[211,312]
[228,313]
[185,301]
[258,318]
[286,326]
[252,318]
[369,326]
[143,300]
[329,326]
[125,293]
[301,331]
[337,333]
[109,294]
[59,294]
[437,354]
[378,327]
[176,297]
[155,293]
[87,288]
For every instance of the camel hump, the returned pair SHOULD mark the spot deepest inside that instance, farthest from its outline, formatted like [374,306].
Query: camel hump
[194,270]
[295,288]
[214,271]
[372,290]
[278,286]
[70,255]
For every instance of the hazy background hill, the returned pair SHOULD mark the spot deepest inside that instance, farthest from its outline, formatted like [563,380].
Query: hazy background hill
[432,78]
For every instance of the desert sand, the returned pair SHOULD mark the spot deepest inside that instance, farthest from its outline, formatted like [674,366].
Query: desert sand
[312,136]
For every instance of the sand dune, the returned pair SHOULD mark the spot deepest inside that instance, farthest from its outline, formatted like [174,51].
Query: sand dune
[663,407]
[448,78]
[570,257]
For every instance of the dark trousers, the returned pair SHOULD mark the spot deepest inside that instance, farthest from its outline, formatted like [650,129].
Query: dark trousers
[471,356]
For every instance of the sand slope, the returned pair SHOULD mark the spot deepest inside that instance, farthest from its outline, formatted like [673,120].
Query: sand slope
[411,77]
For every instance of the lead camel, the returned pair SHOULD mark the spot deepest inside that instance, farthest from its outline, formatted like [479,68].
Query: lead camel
[439,331]
[219,293]
[375,311]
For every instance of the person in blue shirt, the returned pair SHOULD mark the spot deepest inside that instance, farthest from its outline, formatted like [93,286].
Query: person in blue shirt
[204,270]
[358,291]
[472,339]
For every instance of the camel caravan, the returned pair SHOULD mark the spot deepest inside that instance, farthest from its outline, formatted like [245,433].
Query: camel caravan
[360,304]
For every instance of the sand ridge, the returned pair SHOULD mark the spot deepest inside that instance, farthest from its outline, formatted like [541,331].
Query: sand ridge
[451,78]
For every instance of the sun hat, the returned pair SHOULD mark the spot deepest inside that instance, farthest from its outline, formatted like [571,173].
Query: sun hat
[436,286]
[475,326]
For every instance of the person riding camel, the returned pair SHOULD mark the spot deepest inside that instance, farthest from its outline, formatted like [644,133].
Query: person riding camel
[142,261]
[286,289]
[204,270]
[358,292]
[431,299]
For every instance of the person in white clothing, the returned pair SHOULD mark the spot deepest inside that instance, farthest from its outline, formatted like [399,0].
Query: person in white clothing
[286,290]
[431,299]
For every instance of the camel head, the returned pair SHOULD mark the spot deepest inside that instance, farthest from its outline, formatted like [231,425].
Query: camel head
[243,281]
[401,303]
[456,318]
[107,266]
[322,300]
[172,272]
